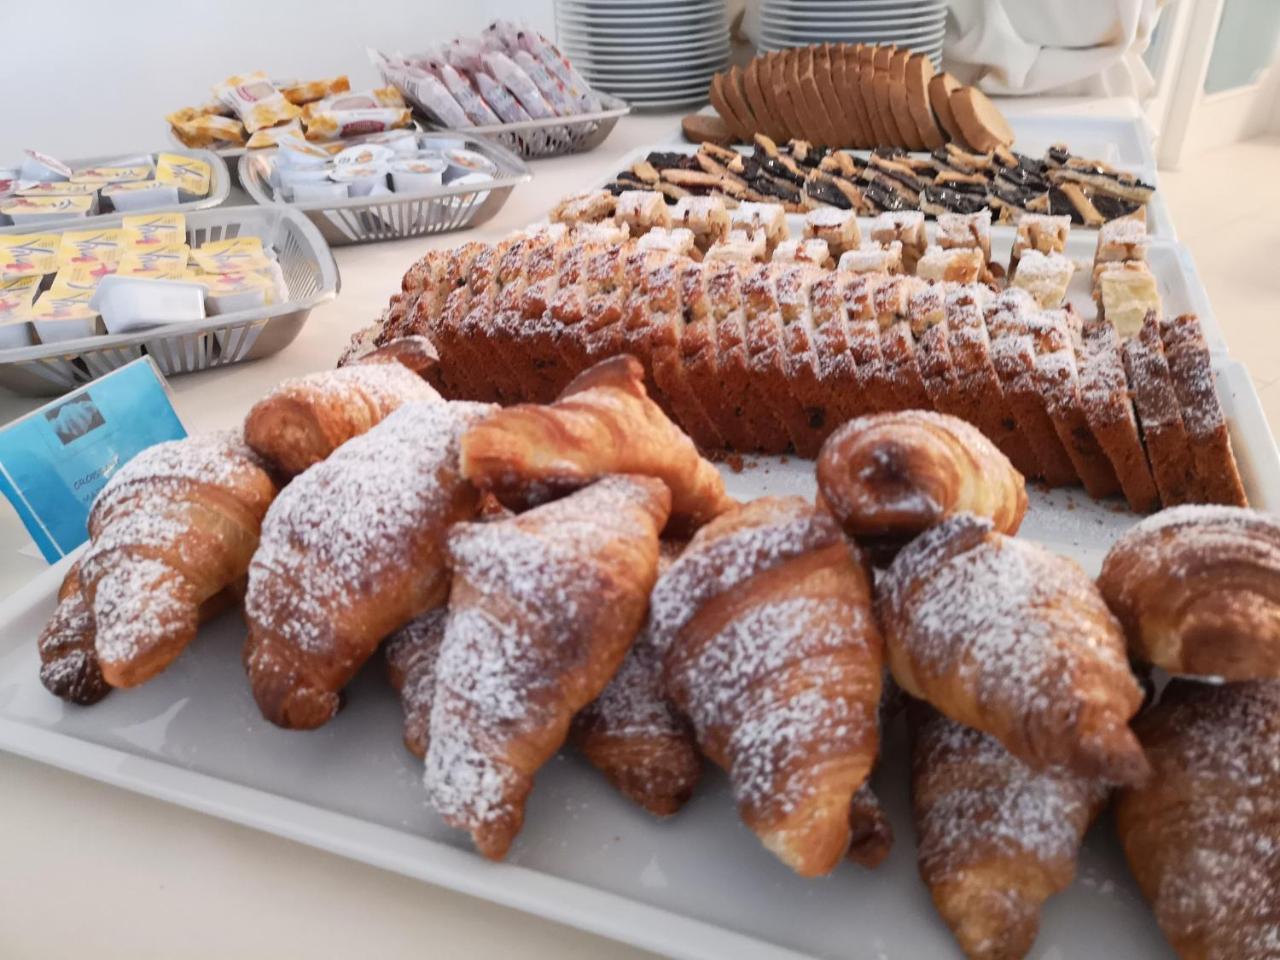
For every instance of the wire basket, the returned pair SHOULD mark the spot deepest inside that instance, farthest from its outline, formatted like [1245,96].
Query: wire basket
[396,216]
[309,273]
[219,188]
[551,136]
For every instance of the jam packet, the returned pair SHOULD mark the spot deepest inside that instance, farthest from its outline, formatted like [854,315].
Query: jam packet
[79,277]
[28,254]
[34,210]
[64,304]
[311,90]
[231,256]
[167,264]
[189,175]
[141,195]
[90,246]
[155,231]
[16,295]
[54,188]
[255,100]
[113,173]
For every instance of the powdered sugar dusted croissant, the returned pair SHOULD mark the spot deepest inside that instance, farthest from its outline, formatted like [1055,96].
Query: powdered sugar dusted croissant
[996,838]
[603,423]
[633,734]
[769,647]
[888,476]
[305,419]
[1197,590]
[1200,836]
[1008,638]
[543,608]
[351,551]
[412,652]
[68,662]
[171,530]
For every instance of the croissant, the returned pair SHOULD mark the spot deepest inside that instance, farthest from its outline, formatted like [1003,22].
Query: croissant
[412,653]
[68,662]
[305,419]
[769,647]
[1005,637]
[1197,590]
[996,839]
[871,834]
[634,736]
[543,608]
[888,476]
[1200,836]
[603,423]
[351,551]
[172,529]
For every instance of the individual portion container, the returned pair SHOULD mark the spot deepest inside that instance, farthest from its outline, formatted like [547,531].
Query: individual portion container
[416,174]
[139,303]
[463,163]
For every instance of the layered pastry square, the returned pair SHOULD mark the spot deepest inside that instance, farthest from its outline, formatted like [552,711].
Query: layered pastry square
[1045,276]
[871,257]
[1125,291]
[642,210]
[957,264]
[957,230]
[838,228]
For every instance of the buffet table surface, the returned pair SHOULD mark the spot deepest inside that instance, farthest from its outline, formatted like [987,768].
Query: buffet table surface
[90,864]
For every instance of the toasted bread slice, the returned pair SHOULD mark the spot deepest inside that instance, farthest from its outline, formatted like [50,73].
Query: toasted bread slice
[1164,434]
[756,100]
[838,124]
[940,89]
[1104,394]
[917,74]
[1216,472]
[898,101]
[881,58]
[983,125]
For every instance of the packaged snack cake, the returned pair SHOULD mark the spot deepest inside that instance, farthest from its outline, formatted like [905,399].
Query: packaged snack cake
[255,101]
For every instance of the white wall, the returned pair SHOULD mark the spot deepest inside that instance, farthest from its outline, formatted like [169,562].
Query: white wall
[84,77]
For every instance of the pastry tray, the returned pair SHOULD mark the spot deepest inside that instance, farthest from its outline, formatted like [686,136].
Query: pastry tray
[309,272]
[395,216]
[219,188]
[696,886]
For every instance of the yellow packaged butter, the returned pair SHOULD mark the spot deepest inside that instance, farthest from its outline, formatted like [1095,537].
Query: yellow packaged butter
[80,277]
[155,231]
[100,176]
[169,264]
[90,246]
[68,305]
[16,296]
[231,256]
[28,254]
[55,188]
[20,208]
[188,174]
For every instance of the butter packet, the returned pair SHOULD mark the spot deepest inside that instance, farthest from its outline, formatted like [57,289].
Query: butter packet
[141,195]
[236,291]
[255,100]
[35,210]
[79,278]
[17,294]
[189,175]
[197,130]
[90,246]
[54,188]
[155,231]
[64,305]
[28,254]
[119,173]
[237,255]
[311,90]
[169,264]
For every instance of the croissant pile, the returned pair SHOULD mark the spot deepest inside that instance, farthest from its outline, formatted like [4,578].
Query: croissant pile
[573,572]
[774,356]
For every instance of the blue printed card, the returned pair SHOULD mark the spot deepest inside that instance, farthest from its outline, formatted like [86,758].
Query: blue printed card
[54,461]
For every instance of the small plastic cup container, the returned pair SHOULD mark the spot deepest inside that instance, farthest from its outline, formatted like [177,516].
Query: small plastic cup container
[403,143]
[324,190]
[463,163]
[41,166]
[300,155]
[146,195]
[437,144]
[16,333]
[290,177]
[471,178]
[363,155]
[361,180]
[139,303]
[417,174]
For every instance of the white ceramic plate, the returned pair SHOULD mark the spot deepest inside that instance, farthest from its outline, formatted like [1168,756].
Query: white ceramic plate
[645,59]
[813,34]
[696,886]
[658,83]
[650,33]
[874,22]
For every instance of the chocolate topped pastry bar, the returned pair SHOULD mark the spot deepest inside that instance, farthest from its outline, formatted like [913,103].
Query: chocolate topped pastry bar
[871,257]
[1096,175]
[1045,276]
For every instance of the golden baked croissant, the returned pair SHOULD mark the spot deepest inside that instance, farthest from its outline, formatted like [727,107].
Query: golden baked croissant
[871,834]
[769,647]
[171,530]
[603,423]
[1008,638]
[632,733]
[68,662]
[543,608]
[888,476]
[1200,836]
[351,551]
[996,839]
[1197,590]
[412,652]
[305,419]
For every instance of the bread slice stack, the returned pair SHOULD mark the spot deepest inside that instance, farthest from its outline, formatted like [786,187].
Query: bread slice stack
[855,95]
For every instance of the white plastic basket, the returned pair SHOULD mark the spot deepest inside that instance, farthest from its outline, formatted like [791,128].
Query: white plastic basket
[219,188]
[396,216]
[309,273]
[553,136]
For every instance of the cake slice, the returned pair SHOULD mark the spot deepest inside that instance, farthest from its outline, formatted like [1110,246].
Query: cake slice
[589,207]
[769,219]
[938,371]
[836,369]
[901,370]
[640,210]
[616,275]
[1164,434]
[739,247]
[678,241]
[706,217]
[1045,276]
[813,252]
[1104,395]
[862,330]
[1191,370]
[699,353]
[1120,240]
[793,285]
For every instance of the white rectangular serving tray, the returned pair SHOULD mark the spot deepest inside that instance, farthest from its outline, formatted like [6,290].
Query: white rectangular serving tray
[697,886]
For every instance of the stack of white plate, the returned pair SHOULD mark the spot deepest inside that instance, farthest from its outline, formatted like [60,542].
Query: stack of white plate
[915,24]
[655,54]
